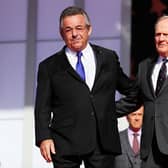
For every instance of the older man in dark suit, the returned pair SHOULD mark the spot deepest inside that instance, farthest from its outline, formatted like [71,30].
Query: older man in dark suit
[75,116]
[153,82]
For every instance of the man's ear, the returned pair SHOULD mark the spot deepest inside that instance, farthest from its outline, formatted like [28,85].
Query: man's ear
[61,33]
[89,30]
[126,117]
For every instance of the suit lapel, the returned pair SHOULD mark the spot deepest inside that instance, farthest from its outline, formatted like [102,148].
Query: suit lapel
[130,152]
[165,84]
[150,67]
[98,57]
[150,70]
[66,66]
[128,145]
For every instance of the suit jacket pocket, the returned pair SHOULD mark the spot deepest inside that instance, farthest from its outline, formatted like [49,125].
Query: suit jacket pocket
[62,124]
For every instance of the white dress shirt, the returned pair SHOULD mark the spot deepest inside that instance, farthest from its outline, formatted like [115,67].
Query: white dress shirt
[88,61]
[156,70]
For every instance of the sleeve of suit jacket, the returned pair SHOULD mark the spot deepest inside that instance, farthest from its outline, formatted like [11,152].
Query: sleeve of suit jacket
[131,95]
[42,105]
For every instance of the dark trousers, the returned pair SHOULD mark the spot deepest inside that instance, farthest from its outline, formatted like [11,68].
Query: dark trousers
[156,159]
[93,159]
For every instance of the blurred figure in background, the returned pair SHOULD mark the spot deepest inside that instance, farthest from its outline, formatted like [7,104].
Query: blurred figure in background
[130,142]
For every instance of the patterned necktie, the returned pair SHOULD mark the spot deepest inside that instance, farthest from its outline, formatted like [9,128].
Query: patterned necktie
[135,143]
[79,66]
[161,77]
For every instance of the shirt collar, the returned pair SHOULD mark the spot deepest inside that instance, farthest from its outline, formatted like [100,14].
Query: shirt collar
[160,58]
[130,131]
[84,51]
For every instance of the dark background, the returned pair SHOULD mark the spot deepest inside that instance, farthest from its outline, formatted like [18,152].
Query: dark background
[144,14]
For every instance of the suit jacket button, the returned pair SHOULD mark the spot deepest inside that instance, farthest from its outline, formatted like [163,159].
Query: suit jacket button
[91,96]
[92,113]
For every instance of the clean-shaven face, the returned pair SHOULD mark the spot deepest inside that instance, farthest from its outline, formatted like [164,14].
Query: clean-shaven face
[135,119]
[75,32]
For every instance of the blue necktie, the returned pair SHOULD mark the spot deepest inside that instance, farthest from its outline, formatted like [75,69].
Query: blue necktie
[79,66]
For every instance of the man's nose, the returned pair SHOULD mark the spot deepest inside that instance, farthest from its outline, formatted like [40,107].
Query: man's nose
[136,118]
[162,37]
[74,32]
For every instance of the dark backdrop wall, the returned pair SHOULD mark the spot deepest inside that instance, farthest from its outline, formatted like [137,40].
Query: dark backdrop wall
[144,14]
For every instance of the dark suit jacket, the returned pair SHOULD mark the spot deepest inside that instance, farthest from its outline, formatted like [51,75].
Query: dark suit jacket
[155,110]
[61,91]
[127,159]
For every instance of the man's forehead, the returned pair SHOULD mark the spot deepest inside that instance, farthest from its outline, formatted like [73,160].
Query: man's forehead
[162,21]
[137,112]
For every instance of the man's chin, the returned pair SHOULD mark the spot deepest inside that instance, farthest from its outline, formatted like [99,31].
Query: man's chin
[162,53]
[77,48]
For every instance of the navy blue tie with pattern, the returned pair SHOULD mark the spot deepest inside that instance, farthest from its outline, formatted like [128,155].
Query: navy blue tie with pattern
[161,77]
[79,66]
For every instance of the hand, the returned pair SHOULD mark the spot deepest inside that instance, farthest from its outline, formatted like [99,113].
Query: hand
[46,148]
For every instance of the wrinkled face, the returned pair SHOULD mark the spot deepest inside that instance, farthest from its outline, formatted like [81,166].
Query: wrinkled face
[75,32]
[135,119]
[161,37]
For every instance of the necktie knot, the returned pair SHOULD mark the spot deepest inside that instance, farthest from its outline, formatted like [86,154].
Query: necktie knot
[79,54]
[165,60]
[135,134]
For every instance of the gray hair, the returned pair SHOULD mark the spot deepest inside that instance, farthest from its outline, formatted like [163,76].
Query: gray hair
[73,10]
[164,17]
